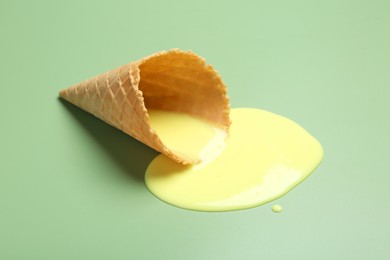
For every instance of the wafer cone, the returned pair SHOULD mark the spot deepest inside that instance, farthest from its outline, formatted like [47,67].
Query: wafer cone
[175,81]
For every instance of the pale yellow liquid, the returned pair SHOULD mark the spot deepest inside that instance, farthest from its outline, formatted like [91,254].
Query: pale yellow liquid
[264,157]
[187,136]
[277,208]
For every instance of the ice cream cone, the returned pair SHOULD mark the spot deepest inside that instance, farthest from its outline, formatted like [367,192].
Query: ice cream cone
[175,80]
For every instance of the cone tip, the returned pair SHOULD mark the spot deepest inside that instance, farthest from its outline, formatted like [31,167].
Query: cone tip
[62,93]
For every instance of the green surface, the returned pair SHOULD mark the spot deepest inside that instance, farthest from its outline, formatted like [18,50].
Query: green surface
[71,187]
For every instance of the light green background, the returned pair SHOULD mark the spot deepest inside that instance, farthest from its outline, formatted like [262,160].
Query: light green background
[71,187]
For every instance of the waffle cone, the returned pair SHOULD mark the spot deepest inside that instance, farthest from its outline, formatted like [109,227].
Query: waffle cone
[175,80]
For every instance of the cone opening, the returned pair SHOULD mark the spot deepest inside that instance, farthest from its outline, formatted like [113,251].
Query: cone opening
[182,82]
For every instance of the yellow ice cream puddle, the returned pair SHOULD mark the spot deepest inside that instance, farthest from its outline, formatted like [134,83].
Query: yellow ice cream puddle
[264,157]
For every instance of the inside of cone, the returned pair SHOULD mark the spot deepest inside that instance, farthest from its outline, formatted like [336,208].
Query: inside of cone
[181,82]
